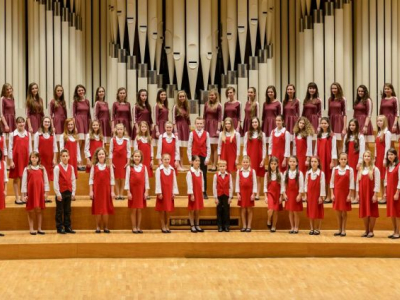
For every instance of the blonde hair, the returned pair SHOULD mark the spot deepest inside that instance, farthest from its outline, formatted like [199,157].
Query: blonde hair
[306,131]
[95,158]
[66,132]
[215,104]
[132,162]
[123,127]
[91,131]
[371,167]
[184,105]
[232,131]
[140,134]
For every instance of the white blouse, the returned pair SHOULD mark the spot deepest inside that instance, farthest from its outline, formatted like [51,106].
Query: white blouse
[71,139]
[361,141]
[309,145]
[167,171]
[377,179]
[197,173]
[5,171]
[120,141]
[87,144]
[215,184]
[388,140]
[4,146]
[46,135]
[168,139]
[314,175]
[292,175]
[145,141]
[24,184]
[273,178]
[246,174]
[138,168]
[342,172]
[228,135]
[390,169]
[334,151]
[190,144]
[11,141]
[278,132]
[101,167]
[255,135]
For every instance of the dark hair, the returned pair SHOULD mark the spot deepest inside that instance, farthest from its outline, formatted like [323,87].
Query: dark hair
[76,97]
[251,130]
[139,102]
[267,99]
[194,157]
[364,99]
[34,103]
[396,160]
[339,93]
[390,86]
[311,85]
[286,99]
[61,100]
[297,170]
[158,100]
[20,120]
[64,151]
[319,162]
[349,133]
[278,174]
[319,135]
[97,93]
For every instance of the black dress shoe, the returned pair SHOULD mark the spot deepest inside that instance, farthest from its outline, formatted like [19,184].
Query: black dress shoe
[98,231]
[220,229]
[227,229]
[311,232]
[164,231]
[205,196]
[61,231]
[168,231]
[395,237]
[337,233]
[243,230]
[199,229]
[48,201]
[273,230]
[248,230]
[41,232]
[193,229]
[343,234]
[316,232]
[328,201]
[391,236]
[1,234]
[140,231]
[107,231]
[69,230]
[32,233]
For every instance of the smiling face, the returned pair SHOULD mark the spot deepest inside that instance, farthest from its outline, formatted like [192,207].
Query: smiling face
[101,156]
[34,89]
[324,125]
[143,97]
[343,160]
[251,94]
[255,124]
[168,128]
[137,158]
[212,97]
[166,160]
[121,95]
[271,94]
[199,124]
[9,91]
[334,89]
[388,91]
[302,124]
[120,130]
[312,90]
[64,158]
[46,123]
[96,127]
[143,128]
[391,157]
[245,163]
[367,158]
[279,122]
[81,92]
[273,165]
[228,125]
[101,93]
[71,126]
[196,163]
[222,167]
[59,91]
[231,95]
[21,126]
[290,91]
[182,97]
[34,160]
[163,96]
[380,122]
[352,126]
[360,92]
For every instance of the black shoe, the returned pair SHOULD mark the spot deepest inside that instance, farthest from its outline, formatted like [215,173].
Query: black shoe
[311,232]
[257,198]
[1,234]
[41,232]
[82,168]
[107,231]
[364,234]
[168,231]
[164,231]
[243,230]
[269,225]
[291,231]
[370,235]
[316,232]
[227,229]
[193,229]
[205,196]
[393,238]
[220,229]
[32,233]
[337,233]
[248,230]
[199,229]
[272,230]
[61,231]
[328,201]
[140,231]
[343,234]
[48,201]
[98,231]
[69,230]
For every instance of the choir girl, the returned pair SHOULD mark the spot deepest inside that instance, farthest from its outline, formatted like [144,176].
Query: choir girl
[363,111]
[34,108]
[232,108]
[181,119]
[199,145]
[34,189]
[93,141]
[143,143]
[255,146]
[292,191]
[3,144]
[19,148]
[389,107]
[312,105]
[251,109]
[58,111]
[367,189]
[195,191]
[229,146]
[213,119]
[342,189]
[314,190]
[161,113]
[141,112]
[64,187]
[45,143]
[121,112]
[120,154]
[137,185]
[169,143]
[279,143]
[70,142]
[392,190]
[325,149]
[101,184]
[273,192]
[166,189]
[271,109]
[302,145]
[223,193]
[337,111]
[3,185]
[7,108]
[246,189]
[291,108]
[382,145]
[102,113]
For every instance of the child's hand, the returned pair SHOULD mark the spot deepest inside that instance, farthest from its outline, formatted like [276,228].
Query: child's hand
[54,163]
[237,161]
[160,196]
[73,197]
[192,198]
[216,201]
[157,134]
[25,198]
[88,162]
[374,199]
[159,162]
[332,165]
[146,194]
[307,163]
[45,195]
[206,162]
[151,164]
[176,164]
[58,198]
[384,162]
[284,163]
[305,198]
[333,197]
[91,195]
[396,196]
[12,165]
[112,195]
[284,197]
[252,197]
[348,198]
[129,196]
[79,162]
[298,198]
[5,192]
[127,164]
[358,167]
[229,201]
[320,200]
[266,199]
[239,197]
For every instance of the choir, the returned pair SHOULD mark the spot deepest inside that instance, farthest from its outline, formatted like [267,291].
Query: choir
[304,164]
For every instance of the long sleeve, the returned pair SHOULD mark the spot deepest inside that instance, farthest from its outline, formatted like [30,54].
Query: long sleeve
[319,110]
[113,111]
[36,142]
[87,146]
[271,142]
[74,104]
[78,152]
[111,148]
[158,189]
[219,112]
[135,114]
[351,184]
[377,180]
[127,178]
[334,151]
[89,115]
[287,144]
[208,145]
[397,106]
[316,147]
[5,172]
[177,151]
[56,177]
[230,187]
[388,140]
[238,144]
[362,148]
[24,183]
[146,179]
[73,180]
[266,183]
[301,182]
[46,181]
[190,145]
[215,180]
[159,147]
[245,139]
[239,112]
[1,107]
[91,175]
[343,106]
[10,145]
[174,114]
[189,183]
[297,107]
[332,183]
[309,146]
[128,149]
[264,146]
[237,185]
[322,190]
[4,146]
[369,108]
[257,110]
[254,181]
[219,148]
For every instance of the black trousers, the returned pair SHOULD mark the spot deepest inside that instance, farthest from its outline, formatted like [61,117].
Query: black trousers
[63,211]
[203,168]
[223,211]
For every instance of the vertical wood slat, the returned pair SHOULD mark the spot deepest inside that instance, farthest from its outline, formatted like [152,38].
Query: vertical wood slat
[292,41]
[87,40]
[395,62]
[388,40]
[2,42]
[374,92]
[365,62]
[49,55]
[284,70]
[96,44]
[14,22]
[103,47]
[42,52]
[277,49]
[57,49]
[22,46]
[380,43]
[348,55]
[329,55]
[8,44]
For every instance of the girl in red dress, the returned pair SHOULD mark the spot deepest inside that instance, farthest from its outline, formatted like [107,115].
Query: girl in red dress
[255,147]
[229,146]
[58,111]
[121,112]
[141,112]
[251,109]
[102,113]
[7,108]
[168,143]
[291,108]
[342,189]
[45,142]
[161,113]
[181,119]
[367,189]
[101,183]
[337,111]
[314,190]
[19,148]
[325,149]
[233,108]
[362,112]
[271,109]
[246,189]
[392,191]
[272,192]
[120,154]
[389,107]
[4,180]
[166,189]
[302,145]
[312,105]
[195,190]
[382,145]
[34,189]
[143,143]
[279,143]
[292,191]
[70,142]
[137,185]
[213,119]
[34,108]
[94,140]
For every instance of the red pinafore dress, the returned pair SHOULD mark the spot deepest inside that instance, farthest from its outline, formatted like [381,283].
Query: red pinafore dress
[228,153]
[102,201]
[246,190]
[278,148]
[292,191]
[146,150]
[137,186]
[392,206]
[366,191]
[119,159]
[46,154]
[273,195]
[314,209]
[341,191]
[73,155]
[197,182]
[301,150]
[167,188]
[254,150]
[35,188]
[20,155]
[92,148]
[324,152]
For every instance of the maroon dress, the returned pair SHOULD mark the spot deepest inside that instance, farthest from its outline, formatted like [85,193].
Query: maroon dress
[248,116]
[336,113]
[141,114]
[81,114]
[182,123]
[361,113]
[35,118]
[212,116]
[270,111]
[233,110]
[291,113]
[312,111]
[121,114]
[102,114]
[160,118]
[58,114]
[8,112]
[389,108]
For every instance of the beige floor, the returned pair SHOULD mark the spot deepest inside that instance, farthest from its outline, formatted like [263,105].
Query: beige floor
[305,278]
